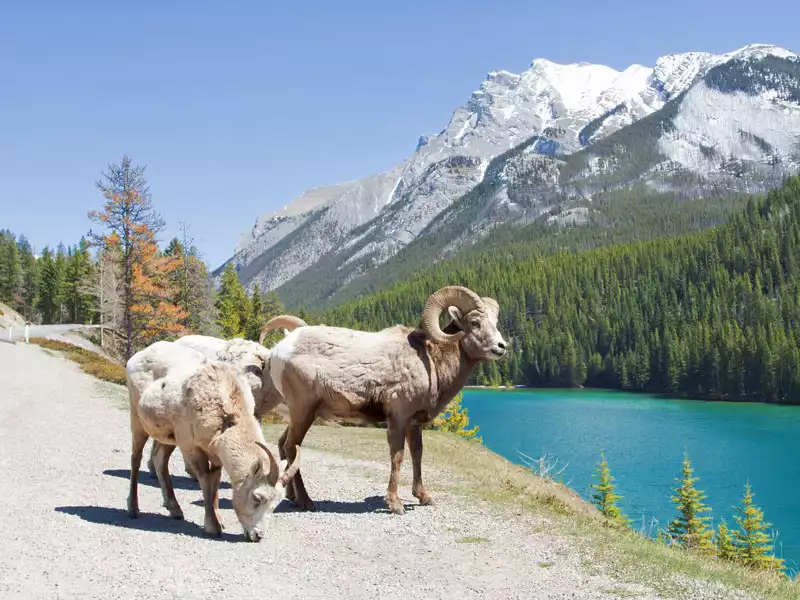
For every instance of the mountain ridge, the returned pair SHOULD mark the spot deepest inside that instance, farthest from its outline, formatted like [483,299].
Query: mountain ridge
[564,113]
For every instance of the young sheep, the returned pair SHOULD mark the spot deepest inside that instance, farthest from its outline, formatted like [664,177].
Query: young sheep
[249,357]
[401,376]
[206,409]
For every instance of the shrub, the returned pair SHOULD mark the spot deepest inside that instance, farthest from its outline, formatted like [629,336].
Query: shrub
[89,362]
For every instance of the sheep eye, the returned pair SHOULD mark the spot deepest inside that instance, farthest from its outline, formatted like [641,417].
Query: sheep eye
[476,324]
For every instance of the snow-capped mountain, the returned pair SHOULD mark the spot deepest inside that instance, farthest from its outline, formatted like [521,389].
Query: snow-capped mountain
[698,112]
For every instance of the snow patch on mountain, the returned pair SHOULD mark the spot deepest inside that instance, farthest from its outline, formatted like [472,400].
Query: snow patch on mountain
[567,107]
[713,127]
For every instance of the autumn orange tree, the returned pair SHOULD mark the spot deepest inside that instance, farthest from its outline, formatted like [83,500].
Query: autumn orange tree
[130,225]
[154,315]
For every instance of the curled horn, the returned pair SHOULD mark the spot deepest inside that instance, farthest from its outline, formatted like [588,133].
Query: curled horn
[289,322]
[461,297]
[272,476]
[492,307]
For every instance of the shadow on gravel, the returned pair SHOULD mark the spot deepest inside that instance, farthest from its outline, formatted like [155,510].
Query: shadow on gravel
[224,503]
[118,517]
[373,504]
[179,482]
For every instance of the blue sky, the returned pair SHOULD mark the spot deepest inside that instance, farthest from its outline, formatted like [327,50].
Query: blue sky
[235,112]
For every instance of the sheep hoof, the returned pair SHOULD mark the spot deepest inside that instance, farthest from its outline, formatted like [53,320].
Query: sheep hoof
[133,513]
[395,506]
[426,500]
[176,514]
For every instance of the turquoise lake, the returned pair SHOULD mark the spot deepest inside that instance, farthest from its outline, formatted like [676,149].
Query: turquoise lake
[644,438]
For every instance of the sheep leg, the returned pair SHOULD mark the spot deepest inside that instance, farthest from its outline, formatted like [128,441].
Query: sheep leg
[151,465]
[289,489]
[138,441]
[296,432]
[397,439]
[161,463]
[209,482]
[215,473]
[414,438]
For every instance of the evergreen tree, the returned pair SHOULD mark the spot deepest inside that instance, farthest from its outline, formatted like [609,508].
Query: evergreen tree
[49,287]
[753,545]
[10,271]
[128,218]
[232,305]
[604,497]
[454,419]
[690,529]
[79,304]
[154,314]
[30,278]
[724,543]
[255,318]
[193,289]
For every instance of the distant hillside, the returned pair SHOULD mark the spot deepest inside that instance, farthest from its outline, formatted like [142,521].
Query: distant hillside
[712,314]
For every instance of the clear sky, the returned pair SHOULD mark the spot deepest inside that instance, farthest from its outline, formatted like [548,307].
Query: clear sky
[237,110]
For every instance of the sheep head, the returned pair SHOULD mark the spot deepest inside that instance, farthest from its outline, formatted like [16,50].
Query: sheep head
[257,494]
[473,316]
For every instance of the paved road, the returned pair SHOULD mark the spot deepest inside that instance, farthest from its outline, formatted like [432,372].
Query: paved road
[64,459]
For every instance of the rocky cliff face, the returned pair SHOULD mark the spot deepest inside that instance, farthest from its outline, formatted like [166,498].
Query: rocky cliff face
[546,137]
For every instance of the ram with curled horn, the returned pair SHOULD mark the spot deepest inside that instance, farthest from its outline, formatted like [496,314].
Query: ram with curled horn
[400,376]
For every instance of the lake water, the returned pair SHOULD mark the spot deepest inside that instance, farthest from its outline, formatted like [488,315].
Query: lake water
[644,438]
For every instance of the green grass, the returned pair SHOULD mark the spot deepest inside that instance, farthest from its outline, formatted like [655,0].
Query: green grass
[89,362]
[475,471]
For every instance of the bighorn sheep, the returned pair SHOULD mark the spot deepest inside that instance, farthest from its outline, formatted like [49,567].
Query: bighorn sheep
[249,357]
[401,376]
[179,398]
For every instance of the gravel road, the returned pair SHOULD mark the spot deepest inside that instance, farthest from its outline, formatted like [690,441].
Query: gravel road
[64,454]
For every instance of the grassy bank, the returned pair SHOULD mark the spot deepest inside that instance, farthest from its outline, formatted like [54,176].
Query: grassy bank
[478,472]
[90,363]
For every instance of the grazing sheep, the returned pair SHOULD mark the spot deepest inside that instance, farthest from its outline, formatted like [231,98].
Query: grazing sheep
[401,376]
[206,409]
[249,357]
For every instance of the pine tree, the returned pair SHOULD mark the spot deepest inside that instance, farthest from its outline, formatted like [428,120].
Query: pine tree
[753,544]
[30,278]
[154,314]
[272,307]
[128,217]
[61,280]
[454,419]
[232,305]
[10,271]
[604,498]
[690,529]
[79,304]
[48,292]
[724,543]
[255,318]
[194,291]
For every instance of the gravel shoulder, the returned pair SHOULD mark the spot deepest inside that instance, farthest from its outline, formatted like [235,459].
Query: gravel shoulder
[64,460]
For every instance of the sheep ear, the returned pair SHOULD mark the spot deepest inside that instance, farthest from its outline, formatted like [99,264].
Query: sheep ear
[455,314]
